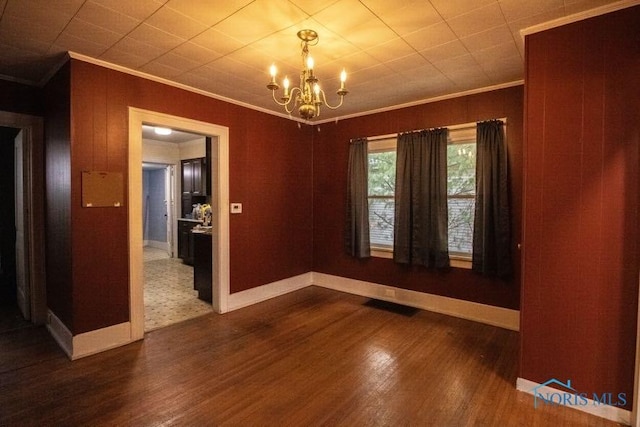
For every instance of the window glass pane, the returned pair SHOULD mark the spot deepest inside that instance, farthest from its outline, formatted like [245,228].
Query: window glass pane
[382,182]
[381,215]
[461,169]
[461,225]
[461,188]
[382,173]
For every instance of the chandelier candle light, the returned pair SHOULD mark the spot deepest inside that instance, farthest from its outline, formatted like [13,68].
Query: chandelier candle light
[309,97]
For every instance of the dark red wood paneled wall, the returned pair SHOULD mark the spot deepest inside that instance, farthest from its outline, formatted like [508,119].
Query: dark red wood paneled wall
[270,173]
[330,152]
[58,195]
[580,259]
[20,98]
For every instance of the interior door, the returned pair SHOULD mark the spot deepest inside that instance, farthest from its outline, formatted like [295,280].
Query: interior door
[22,284]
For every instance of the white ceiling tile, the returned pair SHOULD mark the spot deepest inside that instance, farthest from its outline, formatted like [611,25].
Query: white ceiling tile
[207,11]
[83,46]
[178,62]
[155,37]
[449,9]
[256,24]
[84,30]
[175,23]
[101,16]
[124,58]
[160,70]
[519,9]
[445,51]
[137,48]
[408,51]
[36,9]
[196,53]
[138,9]
[487,39]
[391,50]
[405,17]
[312,7]
[411,64]
[216,41]
[477,20]
[431,36]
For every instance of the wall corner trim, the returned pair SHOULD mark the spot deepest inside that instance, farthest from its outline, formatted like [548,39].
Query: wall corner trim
[490,315]
[60,333]
[88,343]
[270,290]
[100,340]
[608,412]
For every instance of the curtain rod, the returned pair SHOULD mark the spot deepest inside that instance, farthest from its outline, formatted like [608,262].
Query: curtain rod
[452,127]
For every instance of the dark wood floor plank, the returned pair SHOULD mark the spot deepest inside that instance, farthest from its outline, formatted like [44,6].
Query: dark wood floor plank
[313,357]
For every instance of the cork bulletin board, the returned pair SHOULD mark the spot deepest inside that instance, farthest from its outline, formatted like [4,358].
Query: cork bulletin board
[102,189]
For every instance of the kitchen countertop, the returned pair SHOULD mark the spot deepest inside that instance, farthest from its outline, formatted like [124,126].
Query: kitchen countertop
[190,220]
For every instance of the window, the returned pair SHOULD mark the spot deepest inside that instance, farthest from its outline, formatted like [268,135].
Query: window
[382,184]
[461,183]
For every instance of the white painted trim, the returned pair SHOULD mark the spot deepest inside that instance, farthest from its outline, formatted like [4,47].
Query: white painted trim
[33,164]
[60,333]
[425,101]
[490,315]
[635,416]
[220,281]
[120,68]
[109,65]
[580,16]
[268,291]
[608,412]
[100,340]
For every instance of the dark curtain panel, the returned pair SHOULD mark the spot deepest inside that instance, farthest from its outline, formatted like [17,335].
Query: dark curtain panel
[421,217]
[357,235]
[491,229]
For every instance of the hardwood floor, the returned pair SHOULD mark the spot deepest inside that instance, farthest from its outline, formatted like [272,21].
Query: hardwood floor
[313,357]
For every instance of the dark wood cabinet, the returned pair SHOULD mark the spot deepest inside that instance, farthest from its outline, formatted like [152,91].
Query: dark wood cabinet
[185,241]
[202,268]
[194,182]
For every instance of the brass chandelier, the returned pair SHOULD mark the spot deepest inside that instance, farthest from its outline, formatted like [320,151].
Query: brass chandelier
[308,97]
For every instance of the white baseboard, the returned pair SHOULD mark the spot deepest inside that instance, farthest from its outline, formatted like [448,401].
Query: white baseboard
[99,340]
[618,415]
[270,290]
[491,315]
[60,333]
[88,343]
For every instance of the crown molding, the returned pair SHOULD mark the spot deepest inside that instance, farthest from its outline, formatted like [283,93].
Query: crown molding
[120,68]
[580,16]
[424,101]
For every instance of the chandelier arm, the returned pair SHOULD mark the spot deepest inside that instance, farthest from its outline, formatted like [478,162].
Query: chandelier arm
[281,103]
[326,104]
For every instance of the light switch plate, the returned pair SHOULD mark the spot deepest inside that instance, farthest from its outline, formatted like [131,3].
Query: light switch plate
[236,208]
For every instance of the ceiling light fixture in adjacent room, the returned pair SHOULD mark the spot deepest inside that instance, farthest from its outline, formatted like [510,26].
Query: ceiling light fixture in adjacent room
[308,97]
[162,131]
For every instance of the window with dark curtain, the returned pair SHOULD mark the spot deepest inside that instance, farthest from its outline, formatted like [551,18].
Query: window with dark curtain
[492,235]
[357,229]
[421,218]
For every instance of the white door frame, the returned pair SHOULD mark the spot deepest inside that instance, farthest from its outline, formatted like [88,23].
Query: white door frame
[220,268]
[33,174]
[169,205]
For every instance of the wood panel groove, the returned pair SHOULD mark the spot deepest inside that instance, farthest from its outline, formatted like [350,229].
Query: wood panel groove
[312,357]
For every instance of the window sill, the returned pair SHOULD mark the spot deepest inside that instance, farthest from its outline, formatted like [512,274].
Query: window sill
[454,261]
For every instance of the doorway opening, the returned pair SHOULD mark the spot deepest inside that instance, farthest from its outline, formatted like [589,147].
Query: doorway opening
[171,294]
[218,170]
[22,276]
